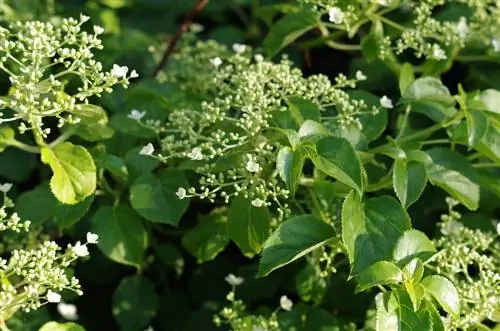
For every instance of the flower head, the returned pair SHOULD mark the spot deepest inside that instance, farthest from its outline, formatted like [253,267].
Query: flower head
[181,193]
[81,250]
[5,187]
[386,102]
[92,238]
[216,61]
[360,75]
[286,303]
[239,48]
[147,150]
[462,27]
[496,45]
[53,297]
[234,280]
[67,311]
[336,15]
[119,72]
[98,30]
[252,166]
[136,115]
[195,154]
[257,202]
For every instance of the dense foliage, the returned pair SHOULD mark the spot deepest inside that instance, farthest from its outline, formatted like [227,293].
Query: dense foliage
[273,165]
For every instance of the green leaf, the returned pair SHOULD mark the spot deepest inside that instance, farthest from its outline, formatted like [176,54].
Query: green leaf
[248,226]
[444,292]
[292,240]
[433,315]
[409,180]
[395,312]
[406,77]
[491,99]
[379,273]
[289,165]
[287,30]
[65,216]
[16,165]
[373,124]
[312,130]
[155,199]
[453,173]
[428,89]
[6,134]
[308,318]
[74,170]
[36,205]
[370,231]
[413,243]
[122,236]
[112,163]
[54,326]
[337,158]
[303,109]
[138,165]
[370,46]
[206,240]
[477,125]
[134,303]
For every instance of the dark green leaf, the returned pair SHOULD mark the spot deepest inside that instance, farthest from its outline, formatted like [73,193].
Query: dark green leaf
[65,216]
[379,273]
[303,109]
[395,312]
[409,180]
[308,318]
[373,125]
[289,165]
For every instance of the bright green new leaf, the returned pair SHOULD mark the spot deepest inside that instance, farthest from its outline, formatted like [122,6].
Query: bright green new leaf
[155,199]
[395,312]
[444,292]
[287,30]
[406,77]
[371,230]
[337,158]
[122,236]
[453,173]
[292,240]
[74,170]
[379,273]
[409,180]
[134,303]
[206,240]
[289,165]
[54,326]
[428,89]
[411,244]
[477,125]
[247,225]
[6,134]
[491,99]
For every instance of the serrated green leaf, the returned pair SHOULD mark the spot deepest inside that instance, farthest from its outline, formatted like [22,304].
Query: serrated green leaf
[122,236]
[134,303]
[248,226]
[371,230]
[54,326]
[303,109]
[74,172]
[337,158]
[379,273]
[287,30]
[409,180]
[395,312]
[444,292]
[453,173]
[289,165]
[292,240]
[416,292]
[406,77]
[411,244]
[428,89]
[477,125]
[155,199]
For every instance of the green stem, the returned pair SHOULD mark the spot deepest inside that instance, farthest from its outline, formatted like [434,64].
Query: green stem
[486,165]
[23,146]
[477,58]
[436,141]
[63,137]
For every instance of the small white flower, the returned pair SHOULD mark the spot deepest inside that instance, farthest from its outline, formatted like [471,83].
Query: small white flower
[196,27]
[119,72]
[336,15]
[386,102]
[252,166]
[216,61]
[53,297]
[258,58]
[360,75]
[5,187]
[239,48]
[92,238]
[382,2]
[462,27]
[98,30]
[498,228]
[81,250]
[257,202]
[195,154]
[234,280]
[147,150]
[496,45]
[67,311]
[84,18]
[134,74]
[438,53]
[181,193]
[136,115]
[286,303]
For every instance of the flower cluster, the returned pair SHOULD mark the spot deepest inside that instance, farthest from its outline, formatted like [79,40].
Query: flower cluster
[32,277]
[471,260]
[53,72]
[229,137]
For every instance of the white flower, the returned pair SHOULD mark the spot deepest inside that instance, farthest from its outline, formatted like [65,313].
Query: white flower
[258,58]
[239,48]
[252,166]
[67,311]
[5,187]
[195,154]
[147,150]
[360,75]
[181,193]
[462,27]
[81,250]
[119,72]
[496,44]
[336,15]
[257,202]
[234,280]
[438,53]
[286,303]
[386,102]
[498,228]
[216,61]
[92,238]
[84,18]
[136,115]
[98,30]
[53,297]
[134,74]
[196,27]
[382,2]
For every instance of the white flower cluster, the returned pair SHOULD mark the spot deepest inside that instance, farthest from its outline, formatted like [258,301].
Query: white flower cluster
[40,58]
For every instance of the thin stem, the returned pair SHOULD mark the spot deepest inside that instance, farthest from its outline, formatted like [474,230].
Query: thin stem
[23,146]
[486,165]
[436,141]
[63,137]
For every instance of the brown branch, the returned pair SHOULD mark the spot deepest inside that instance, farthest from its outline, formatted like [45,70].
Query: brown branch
[188,20]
